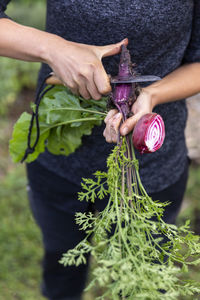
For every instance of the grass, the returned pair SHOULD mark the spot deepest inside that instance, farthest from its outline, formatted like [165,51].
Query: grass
[20,241]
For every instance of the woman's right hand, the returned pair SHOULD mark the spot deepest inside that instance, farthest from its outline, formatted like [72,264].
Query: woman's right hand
[79,66]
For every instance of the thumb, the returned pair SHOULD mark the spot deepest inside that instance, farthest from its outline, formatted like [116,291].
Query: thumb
[112,49]
[130,123]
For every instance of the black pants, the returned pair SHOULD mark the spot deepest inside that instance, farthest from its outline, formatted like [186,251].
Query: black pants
[54,202]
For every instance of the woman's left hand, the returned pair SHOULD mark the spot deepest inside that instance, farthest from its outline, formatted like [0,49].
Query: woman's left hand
[169,89]
[143,105]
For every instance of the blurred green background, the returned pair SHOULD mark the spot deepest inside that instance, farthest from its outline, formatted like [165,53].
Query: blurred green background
[20,239]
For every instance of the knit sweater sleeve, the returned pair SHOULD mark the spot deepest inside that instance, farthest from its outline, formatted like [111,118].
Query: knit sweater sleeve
[192,53]
[3,6]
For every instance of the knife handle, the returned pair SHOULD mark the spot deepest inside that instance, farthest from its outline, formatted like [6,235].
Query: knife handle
[53,80]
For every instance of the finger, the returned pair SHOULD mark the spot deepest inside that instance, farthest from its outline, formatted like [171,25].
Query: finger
[84,92]
[112,49]
[86,78]
[116,121]
[129,124]
[92,89]
[82,89]
[72,85]
[114,126]
[107,136]
[110,114]
[74,89]
[102,80]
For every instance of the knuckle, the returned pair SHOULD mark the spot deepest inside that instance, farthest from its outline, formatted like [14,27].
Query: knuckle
[106,119]
[115,122]
[86,72]
[96,65]
[84,94]
[92,66]
[110,113]
[110,122]
[71,86]
[112,128]
[93,91]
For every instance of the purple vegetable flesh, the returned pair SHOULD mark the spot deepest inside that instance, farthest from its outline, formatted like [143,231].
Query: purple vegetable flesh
[123,95]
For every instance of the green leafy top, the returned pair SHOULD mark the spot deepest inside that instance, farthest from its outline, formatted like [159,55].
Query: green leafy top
[64,118]
[137,255]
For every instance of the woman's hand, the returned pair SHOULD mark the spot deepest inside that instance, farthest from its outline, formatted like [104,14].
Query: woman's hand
[142,106]
[181,83]
[79,66]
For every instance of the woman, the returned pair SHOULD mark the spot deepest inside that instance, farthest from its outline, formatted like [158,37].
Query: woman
[164,40]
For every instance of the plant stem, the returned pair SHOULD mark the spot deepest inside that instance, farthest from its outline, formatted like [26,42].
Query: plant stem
[78,109]
[69,122]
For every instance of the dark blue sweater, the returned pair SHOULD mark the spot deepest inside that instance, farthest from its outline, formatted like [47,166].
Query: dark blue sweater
[162,36]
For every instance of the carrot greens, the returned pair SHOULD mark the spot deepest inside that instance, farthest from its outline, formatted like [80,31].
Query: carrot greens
[137,255]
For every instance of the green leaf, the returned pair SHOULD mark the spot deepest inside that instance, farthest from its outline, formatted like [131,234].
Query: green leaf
[64,119]
[18,143]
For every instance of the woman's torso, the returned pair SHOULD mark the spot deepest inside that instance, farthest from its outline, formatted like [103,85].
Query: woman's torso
[159,32]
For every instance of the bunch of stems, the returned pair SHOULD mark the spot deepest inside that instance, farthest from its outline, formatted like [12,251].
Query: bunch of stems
[137,255]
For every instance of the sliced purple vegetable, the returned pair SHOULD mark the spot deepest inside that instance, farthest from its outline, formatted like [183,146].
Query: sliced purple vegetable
[149,133]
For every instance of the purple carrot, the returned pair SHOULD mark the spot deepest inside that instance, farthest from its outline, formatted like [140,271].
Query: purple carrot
[123,95]
[149,133]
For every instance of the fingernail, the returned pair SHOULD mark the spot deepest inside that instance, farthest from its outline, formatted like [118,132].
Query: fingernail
[117,116]
[124,130]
